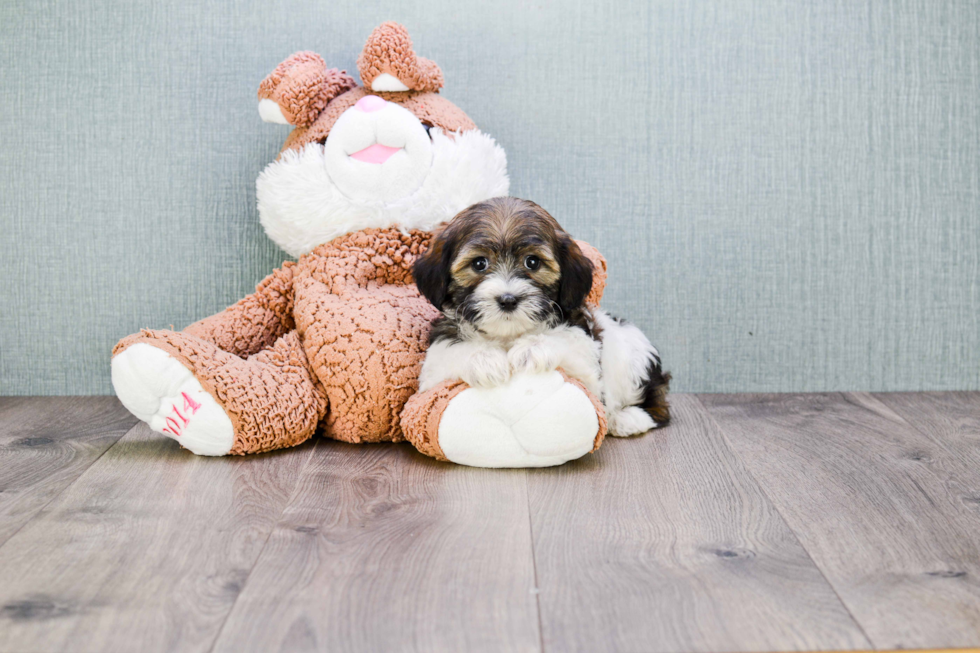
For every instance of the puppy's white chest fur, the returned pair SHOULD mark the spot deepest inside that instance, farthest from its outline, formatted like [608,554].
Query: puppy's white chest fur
[564,346]
[488,362]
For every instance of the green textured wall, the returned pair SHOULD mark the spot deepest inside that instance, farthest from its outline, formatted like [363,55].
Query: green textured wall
[788,192]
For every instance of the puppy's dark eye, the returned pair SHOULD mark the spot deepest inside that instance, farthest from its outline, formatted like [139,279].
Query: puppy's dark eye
[532,262]
[480,264]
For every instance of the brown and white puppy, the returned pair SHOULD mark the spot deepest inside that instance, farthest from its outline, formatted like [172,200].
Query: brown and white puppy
[511,285]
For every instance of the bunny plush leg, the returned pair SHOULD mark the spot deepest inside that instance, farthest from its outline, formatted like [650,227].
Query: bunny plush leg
[213,402]
[534,420]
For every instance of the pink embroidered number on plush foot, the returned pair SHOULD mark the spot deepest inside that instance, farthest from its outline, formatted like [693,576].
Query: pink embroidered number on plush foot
[190,407]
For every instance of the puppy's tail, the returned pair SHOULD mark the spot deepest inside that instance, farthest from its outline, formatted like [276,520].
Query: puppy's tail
[655,393]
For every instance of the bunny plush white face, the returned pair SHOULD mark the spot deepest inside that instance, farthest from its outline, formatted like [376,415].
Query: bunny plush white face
[320,192]
[378,151]
[370,157]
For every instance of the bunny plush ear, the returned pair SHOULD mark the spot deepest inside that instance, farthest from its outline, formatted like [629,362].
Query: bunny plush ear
[388,63]
[299,88]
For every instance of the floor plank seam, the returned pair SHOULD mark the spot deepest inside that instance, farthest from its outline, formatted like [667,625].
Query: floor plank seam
[268,537]
[775,506]
[69,486]
[914,426]
[534,563]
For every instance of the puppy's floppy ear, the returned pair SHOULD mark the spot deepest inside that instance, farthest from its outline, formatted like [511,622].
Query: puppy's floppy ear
[576,274]
[432,269]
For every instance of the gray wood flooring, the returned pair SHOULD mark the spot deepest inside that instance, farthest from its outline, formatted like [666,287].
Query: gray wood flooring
[752,523]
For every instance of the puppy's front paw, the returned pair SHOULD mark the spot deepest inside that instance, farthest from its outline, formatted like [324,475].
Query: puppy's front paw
[488,367]
[532,354]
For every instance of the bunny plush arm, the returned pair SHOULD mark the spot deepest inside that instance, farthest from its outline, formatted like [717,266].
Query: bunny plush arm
[255,322]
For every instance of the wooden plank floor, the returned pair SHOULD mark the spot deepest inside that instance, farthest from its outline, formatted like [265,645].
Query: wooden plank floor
[752,523]
[874,502]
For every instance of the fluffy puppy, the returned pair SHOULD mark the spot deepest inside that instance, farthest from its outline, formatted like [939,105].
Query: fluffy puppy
[511,285]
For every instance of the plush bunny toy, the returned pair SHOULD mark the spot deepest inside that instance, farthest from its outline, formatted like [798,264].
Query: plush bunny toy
[335,340]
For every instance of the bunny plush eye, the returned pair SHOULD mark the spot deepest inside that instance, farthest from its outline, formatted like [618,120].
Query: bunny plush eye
[532,262]
[480,264]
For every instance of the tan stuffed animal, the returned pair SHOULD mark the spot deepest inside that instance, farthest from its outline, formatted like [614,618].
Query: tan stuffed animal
[335,341]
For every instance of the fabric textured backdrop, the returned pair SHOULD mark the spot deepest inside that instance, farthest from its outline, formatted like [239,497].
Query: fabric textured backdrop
[786,190]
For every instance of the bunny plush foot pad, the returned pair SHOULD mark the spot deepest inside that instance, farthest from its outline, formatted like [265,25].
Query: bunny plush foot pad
[534,420]
[155,387]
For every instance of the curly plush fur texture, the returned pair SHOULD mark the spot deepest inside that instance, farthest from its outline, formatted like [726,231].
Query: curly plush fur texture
[388,51]
[302,85]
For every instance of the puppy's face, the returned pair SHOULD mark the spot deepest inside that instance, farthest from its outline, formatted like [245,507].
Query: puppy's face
[505,267]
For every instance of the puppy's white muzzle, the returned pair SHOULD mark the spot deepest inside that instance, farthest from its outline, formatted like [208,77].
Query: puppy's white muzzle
[378,151]
[496,319]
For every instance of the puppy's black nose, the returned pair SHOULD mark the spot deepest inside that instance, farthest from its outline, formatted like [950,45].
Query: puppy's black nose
[507,302]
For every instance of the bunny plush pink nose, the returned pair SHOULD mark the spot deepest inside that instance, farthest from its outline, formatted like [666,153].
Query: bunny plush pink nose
[370,103]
